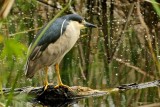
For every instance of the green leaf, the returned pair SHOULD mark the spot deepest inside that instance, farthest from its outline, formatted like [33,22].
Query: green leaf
[13,50]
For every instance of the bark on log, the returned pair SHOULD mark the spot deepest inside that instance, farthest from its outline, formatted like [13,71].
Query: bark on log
[63,95]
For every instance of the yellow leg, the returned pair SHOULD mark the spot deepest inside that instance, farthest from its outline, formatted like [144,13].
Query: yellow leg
[46,78]
[58,75]
[60,84]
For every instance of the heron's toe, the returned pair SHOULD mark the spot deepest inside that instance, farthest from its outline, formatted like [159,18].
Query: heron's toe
[46,86]
[63,86]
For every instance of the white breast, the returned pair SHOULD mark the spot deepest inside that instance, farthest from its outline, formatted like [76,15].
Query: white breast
[72,33]
[56,51]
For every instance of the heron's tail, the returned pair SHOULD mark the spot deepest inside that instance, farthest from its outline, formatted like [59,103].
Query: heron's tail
[30,69]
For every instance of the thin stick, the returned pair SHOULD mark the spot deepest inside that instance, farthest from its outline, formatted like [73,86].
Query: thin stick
[122,33]
[24,31]
[134,67]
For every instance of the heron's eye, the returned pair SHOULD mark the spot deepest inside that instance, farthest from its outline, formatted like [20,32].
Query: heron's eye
[80,21]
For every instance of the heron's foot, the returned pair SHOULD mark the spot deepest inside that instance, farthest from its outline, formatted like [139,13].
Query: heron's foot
[46,86]
[63,86]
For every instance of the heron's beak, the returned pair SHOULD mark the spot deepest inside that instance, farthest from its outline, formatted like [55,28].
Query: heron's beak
[86,24]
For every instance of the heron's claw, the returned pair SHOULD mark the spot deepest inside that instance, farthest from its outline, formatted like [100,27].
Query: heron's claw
[46,79]
[46,85]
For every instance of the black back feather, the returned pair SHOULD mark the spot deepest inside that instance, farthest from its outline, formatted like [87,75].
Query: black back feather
[52,34]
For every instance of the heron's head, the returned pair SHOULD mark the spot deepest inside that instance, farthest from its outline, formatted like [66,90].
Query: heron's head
[78,21]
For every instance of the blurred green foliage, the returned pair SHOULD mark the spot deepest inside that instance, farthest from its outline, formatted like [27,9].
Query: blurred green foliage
[13,50]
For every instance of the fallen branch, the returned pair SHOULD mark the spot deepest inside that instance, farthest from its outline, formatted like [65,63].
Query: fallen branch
[64,95]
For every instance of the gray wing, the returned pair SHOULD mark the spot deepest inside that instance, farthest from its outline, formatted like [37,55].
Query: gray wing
[50,36]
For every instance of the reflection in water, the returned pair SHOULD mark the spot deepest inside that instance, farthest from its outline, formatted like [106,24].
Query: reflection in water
[58,103]
[86,102]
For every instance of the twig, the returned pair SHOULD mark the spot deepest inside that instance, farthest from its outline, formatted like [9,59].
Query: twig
[122,33]
[134,67]
[25,31]
[47,4]
[82,73]
[132,86]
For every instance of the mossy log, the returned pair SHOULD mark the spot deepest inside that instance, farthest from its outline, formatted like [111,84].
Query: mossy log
[63,95]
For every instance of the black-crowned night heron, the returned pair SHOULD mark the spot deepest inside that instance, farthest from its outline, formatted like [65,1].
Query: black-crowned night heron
[58,39]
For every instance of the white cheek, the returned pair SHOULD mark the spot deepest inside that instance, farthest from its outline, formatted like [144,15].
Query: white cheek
[73,30]
[72,34]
